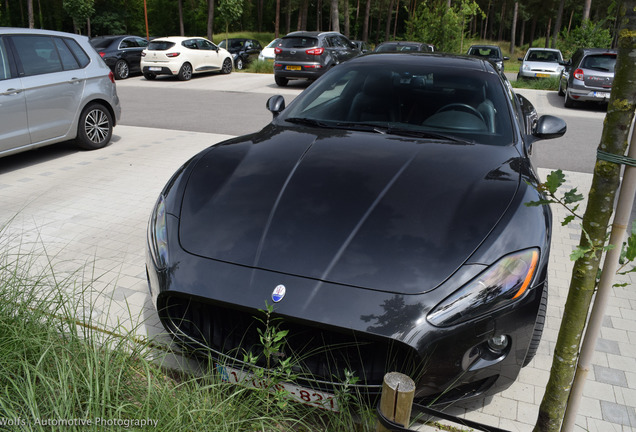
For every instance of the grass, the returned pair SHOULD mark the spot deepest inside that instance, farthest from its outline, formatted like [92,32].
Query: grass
[60,370]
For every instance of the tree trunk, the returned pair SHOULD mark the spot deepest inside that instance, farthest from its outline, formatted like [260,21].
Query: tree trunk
[620,113]
[30,13]
[522,33]
[365,23]
[210,26]
[181,30]
[335,16]
[318,15]
[586,10]
[514,29]
[277,20]
[288,17]
[389,19]
[557,24]
[397,12]
[547,34]
[259,15]
[533,28]
[501,22]
[347,19]
[486,23]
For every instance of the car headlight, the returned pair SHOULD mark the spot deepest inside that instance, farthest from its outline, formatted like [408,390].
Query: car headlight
[500,284]
[526,67]
[158,235]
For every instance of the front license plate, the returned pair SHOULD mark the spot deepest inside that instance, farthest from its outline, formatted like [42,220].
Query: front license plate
[604,95]
[300,394]
[542,75]
[296,68]
[154,69]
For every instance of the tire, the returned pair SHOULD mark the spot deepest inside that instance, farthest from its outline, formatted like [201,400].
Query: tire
[227,66]
[560,89]
[185,72]
[95,127]
[281,81]
[239,63]
[538,326]
[519,77]
[122,71]
[149,76]
[567,102]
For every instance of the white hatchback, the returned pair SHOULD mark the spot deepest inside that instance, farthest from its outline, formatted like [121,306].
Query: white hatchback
[183,57]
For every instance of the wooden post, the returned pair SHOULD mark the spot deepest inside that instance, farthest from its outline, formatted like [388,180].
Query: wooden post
[398,391]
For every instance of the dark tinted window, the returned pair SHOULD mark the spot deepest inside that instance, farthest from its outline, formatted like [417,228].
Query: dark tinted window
[299,42]
[160,45]
[68,59]
[5,70]
[38,54]
[600,62]
[101,43]
[128,43]
[142,43]
[412,98]
[80,55]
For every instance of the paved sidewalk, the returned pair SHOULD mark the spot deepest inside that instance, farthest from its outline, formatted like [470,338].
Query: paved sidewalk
[89,210]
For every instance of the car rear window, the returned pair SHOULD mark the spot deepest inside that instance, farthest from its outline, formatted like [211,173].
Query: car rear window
[101,43]
[160,45]
[299,42]
[600,62]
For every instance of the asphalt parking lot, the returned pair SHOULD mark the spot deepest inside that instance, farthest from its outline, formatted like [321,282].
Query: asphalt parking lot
[87,212]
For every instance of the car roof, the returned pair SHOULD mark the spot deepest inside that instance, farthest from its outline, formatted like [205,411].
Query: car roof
[18,30]
[176,38]
[544,49]
[599,50]
[442,60]
[310,33]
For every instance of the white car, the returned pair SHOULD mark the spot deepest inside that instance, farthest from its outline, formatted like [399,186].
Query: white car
[267,53]
[183,56]
[540,63]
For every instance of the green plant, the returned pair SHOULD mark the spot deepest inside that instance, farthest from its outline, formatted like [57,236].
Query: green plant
[260,66]
[587,35]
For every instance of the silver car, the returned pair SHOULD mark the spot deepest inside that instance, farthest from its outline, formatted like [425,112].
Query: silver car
[53,87]
[540,63]
[588,76]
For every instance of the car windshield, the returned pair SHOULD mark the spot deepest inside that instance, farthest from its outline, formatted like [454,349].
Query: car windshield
[492,53]
[407,99]
[544,56]
[273,43]
[160,45]
[398,47]
[299,42]
[600,62]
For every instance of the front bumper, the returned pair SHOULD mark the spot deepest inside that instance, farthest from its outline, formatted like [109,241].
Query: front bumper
[203,302]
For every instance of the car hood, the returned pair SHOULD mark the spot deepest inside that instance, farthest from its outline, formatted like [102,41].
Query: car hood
[545,66]
[354,208]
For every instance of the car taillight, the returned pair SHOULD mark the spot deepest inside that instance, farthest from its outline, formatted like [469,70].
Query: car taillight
[111,76]
[315,51]
[578,74]
[277,50]
[174,54]
[102,54]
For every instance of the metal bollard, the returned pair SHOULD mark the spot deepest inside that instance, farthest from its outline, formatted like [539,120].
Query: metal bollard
[396,401]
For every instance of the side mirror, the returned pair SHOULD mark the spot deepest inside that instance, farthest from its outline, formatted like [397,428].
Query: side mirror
[520,58]
[275,105]
[549,127]
[506,58]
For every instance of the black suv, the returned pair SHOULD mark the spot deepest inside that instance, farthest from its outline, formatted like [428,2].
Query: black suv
[310,54]
[243,50]
[588,76]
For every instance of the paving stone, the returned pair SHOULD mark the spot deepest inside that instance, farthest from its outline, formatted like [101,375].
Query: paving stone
[615,413]
[610,376]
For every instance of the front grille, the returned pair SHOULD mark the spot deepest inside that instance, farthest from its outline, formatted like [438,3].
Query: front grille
[321,354]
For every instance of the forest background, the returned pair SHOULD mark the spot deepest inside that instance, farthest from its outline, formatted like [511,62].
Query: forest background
[447,24]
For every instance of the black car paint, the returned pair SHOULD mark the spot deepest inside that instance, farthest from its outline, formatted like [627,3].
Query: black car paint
[232,261]
[111,50]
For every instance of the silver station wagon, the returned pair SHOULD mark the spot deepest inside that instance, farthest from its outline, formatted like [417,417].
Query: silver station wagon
[54,87]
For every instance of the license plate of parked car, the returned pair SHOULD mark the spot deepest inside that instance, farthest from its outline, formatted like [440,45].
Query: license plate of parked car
[296,68]
[604,95]
[542,75]
[153,68]
[300,394]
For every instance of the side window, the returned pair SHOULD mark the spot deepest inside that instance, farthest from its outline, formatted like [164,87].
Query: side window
[143,43]
[127,43]
[5,71]
[190,43]
[68,60]
[80,55]
[37,54]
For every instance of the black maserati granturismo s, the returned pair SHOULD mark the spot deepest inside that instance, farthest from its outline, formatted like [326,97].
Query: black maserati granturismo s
[381,216]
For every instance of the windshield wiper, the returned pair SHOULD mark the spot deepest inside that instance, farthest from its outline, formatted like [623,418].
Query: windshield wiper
[307,121]
[426,134]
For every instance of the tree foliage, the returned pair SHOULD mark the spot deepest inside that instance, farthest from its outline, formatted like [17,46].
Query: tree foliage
[588,34]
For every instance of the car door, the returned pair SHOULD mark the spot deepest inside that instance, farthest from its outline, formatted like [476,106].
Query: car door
[132,48]
[213,57]
[349,50]
[53,81]
[14,129]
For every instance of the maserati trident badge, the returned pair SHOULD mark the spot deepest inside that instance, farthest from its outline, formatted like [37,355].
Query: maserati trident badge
[278,293]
